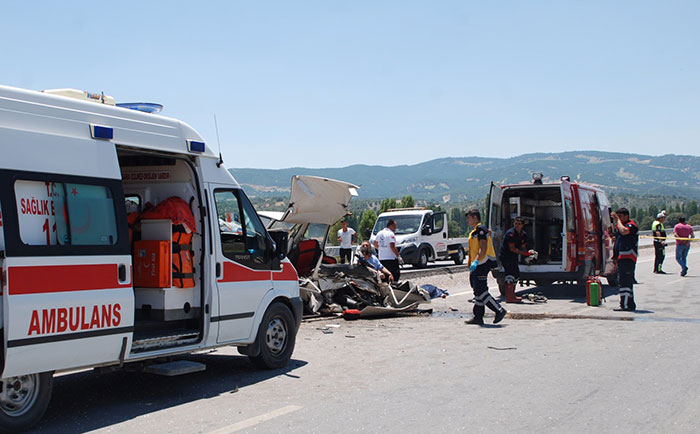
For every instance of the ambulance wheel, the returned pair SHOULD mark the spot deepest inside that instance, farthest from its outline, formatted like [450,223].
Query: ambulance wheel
[23,401]
[422,259]
[276,337]
[459,257]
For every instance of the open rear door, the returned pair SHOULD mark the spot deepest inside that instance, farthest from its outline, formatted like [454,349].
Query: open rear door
[607,244]
[494,213]
[569,236]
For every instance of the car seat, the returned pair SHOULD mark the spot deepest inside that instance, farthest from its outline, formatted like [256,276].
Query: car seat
[304,256]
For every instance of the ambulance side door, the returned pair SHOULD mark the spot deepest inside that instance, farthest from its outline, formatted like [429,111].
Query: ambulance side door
[244,259]
[68,299]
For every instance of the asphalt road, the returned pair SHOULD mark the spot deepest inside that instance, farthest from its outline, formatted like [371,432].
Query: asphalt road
[621,373]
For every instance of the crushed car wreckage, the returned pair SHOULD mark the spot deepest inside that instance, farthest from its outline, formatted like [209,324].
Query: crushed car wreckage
[328,288]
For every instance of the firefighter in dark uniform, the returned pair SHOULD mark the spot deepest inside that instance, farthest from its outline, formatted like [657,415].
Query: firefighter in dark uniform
[659,232]
[482,258]
[625,253]
[514,243]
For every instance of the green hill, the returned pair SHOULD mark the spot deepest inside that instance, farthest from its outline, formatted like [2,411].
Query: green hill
[459,179]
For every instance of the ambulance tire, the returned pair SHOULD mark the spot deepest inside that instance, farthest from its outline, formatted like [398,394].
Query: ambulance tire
[24,407]
[276,337]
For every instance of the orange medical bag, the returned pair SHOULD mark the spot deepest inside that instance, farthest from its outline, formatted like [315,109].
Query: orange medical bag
[152,264]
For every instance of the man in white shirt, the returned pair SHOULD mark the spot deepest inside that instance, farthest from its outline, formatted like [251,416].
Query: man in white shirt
[385,243]
[346,238]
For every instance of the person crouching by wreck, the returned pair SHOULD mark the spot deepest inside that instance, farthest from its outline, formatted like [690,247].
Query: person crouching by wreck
[482,258]
[625,252]
[372,263]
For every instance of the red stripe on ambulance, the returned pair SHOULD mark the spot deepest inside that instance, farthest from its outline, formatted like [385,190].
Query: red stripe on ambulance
[288,273]
[42,279]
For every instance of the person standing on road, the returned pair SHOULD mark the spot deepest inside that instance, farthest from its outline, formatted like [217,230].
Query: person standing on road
[514,243]
[659,232]
[683,230]
[385,243]
[346,238]
[625,253]
[482,258]
[372,263]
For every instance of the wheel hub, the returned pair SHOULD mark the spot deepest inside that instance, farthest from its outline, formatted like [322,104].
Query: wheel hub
[19,395]
[276,336]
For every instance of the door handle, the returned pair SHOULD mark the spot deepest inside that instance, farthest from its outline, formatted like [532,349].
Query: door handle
[218,269]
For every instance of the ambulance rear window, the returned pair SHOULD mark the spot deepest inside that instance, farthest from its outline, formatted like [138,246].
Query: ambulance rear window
[56,213]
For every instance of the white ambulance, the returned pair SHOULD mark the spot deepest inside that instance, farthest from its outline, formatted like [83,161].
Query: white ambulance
[74,165]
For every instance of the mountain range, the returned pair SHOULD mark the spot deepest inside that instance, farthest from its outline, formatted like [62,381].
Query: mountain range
[455,179]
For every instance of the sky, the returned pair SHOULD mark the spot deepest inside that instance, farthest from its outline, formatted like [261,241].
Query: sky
[333,83]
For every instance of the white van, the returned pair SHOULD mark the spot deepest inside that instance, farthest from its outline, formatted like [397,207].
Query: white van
[422,236]
[77,292]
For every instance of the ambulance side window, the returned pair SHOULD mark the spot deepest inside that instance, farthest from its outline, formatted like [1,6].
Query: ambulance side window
[243,237]
[63,214]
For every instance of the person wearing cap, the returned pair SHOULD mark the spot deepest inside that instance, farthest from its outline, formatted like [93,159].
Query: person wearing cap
[659,232]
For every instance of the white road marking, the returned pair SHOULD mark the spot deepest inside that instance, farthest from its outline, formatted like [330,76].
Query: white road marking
[256,420]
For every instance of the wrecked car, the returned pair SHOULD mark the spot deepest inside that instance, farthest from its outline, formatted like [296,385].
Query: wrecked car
[327,288]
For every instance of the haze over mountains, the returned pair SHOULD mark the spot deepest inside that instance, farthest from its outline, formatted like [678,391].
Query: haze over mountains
[467,178]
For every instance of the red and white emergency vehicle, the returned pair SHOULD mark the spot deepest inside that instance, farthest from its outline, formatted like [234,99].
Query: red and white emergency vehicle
[567,223]
[96,274]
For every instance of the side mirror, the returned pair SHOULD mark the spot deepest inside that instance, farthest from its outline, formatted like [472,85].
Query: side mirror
[280,238]
[426,230]
[367,233]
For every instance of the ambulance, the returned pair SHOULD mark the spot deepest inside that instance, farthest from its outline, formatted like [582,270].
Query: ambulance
[125,241]
[568,223]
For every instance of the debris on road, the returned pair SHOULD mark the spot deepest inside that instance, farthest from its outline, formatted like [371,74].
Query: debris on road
[353,292]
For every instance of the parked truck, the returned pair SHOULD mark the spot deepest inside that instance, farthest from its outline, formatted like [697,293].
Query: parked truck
[421,236]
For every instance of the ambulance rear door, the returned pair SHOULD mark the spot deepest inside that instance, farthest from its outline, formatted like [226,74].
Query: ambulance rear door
[67,298]
[607,243]
[569,237]
[494,213]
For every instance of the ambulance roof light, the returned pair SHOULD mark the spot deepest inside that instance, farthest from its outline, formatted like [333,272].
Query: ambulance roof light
[146,107]
[195,146]
[537,177]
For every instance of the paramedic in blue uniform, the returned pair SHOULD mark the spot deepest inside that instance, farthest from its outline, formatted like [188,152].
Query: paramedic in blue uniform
[625,253]
[514,243]
[482,258]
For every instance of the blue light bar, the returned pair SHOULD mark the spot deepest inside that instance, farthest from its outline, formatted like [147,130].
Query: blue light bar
[104,133]
[195,146]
